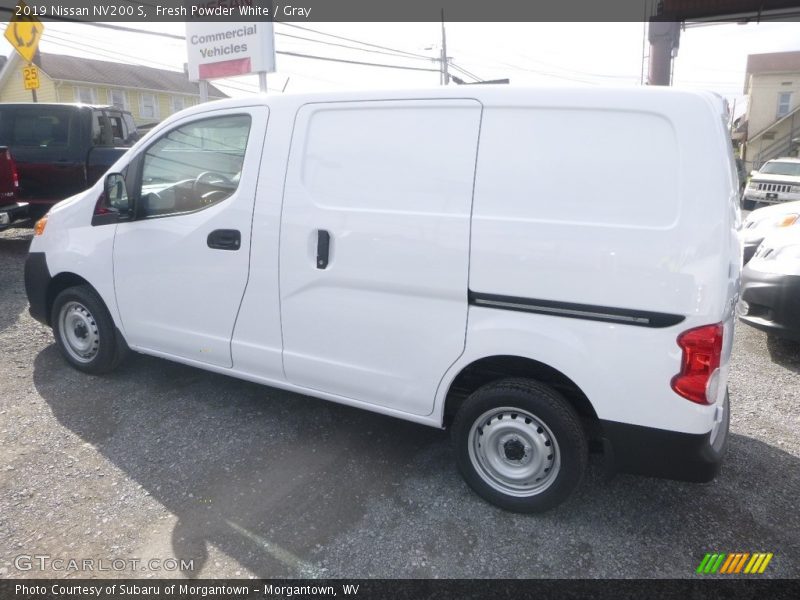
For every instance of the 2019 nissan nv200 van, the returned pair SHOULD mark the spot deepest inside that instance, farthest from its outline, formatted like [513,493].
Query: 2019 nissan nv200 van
[472,259]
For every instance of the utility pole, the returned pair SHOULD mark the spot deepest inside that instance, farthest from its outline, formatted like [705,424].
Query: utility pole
[445,74]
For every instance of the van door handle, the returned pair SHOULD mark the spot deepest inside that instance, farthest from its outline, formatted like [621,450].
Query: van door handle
[225,239]
[323,248]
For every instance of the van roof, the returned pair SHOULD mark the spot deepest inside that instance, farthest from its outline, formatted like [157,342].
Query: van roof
[644,97]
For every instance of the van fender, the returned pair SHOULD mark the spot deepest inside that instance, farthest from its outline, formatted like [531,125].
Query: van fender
[551,341]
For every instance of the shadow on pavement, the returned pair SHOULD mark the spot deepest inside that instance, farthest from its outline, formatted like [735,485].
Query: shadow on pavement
[12,253]
[263,474]
[284,484]
[785,353]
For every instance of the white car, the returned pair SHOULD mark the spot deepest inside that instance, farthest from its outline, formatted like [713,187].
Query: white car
[763,221]
[429,255]
[770,299]
[777,181]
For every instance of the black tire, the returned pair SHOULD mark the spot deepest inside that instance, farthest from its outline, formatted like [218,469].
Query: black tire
[105,348]
[542,429]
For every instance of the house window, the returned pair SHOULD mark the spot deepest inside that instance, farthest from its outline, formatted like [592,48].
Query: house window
[86,95]
[118,99]
[784,103]
[178,103]
[148,108]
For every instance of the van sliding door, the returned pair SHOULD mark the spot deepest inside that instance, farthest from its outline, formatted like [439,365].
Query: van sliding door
[374,247]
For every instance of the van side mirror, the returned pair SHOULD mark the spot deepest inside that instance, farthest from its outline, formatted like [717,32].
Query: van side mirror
[117,193]
[113,205]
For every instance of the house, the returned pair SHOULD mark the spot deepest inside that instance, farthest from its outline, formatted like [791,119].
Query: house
[772,84]
[149,94]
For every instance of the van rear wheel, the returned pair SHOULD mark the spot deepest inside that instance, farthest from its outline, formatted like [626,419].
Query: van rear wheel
[85,332]
[520,445]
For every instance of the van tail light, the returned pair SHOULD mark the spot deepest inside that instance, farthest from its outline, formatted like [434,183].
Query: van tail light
[699,376]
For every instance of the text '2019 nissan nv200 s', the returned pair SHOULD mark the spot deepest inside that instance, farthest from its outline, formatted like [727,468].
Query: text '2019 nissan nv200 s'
[533,269]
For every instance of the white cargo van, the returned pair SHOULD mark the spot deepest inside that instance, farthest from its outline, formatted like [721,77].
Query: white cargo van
[537,270]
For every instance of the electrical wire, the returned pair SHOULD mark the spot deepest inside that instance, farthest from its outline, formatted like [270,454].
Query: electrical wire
[346,39]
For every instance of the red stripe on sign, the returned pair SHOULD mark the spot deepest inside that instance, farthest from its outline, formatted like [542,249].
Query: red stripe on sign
[225,68]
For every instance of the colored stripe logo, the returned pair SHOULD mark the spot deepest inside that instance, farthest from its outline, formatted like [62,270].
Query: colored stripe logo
[735,563]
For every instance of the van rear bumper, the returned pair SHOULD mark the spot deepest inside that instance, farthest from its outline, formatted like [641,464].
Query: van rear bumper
[667,454]
[37,280]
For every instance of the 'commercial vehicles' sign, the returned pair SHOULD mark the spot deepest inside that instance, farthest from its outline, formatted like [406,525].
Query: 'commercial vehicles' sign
[228,49]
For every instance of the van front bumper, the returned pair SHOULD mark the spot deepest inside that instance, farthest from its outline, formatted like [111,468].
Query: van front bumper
[667,454]
[37,280]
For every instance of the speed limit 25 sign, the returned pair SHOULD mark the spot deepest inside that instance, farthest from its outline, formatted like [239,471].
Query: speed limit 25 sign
[30,76]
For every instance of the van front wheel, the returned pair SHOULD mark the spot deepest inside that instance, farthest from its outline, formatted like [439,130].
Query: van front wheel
[84,331]
[520,445]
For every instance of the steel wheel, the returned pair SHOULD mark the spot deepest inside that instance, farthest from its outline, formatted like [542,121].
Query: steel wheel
[79,333]
[520,445]
[514,452]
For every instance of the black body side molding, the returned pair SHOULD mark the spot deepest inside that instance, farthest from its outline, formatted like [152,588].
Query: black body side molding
[590,312]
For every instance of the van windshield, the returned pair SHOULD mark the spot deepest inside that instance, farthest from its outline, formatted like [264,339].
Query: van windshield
[782,168]
[37,126]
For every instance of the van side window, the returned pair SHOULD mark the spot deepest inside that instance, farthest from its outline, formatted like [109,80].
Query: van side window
[194,166]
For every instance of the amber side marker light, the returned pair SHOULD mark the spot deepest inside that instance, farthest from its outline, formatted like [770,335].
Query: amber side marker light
[38,229]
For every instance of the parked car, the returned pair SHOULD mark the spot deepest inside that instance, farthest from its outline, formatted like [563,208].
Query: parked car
[770,298]
[11,209]
[363,250]
[776,181]
[61,149]
[763,221]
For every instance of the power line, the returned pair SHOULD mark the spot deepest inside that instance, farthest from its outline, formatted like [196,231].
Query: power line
[396,54]
[465,72]
[346,39]
[295,54]
[355,62]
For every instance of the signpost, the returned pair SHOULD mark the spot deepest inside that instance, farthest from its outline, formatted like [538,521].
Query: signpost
[24,32]
[229,49]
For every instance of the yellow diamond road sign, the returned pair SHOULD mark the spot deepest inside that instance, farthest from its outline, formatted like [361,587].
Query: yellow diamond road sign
[24,31]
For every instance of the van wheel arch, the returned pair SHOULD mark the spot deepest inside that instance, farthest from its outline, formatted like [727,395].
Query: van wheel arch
[58,284]
[494,368]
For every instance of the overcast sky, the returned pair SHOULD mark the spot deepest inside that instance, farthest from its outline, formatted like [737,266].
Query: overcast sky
[710,57]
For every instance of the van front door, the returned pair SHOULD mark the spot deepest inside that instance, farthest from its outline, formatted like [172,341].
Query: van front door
[374,247]
[181,267]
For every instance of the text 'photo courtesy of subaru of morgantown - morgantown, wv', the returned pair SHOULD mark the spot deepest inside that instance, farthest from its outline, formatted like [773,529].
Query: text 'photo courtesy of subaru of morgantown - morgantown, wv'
[281,240]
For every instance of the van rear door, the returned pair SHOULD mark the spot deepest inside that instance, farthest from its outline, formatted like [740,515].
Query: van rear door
[374,247]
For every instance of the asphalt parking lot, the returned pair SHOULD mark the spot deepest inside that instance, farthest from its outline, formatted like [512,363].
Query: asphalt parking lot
[160,460]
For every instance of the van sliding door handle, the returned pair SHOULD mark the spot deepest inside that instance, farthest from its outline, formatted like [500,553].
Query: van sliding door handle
[323,248]
[224,239]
